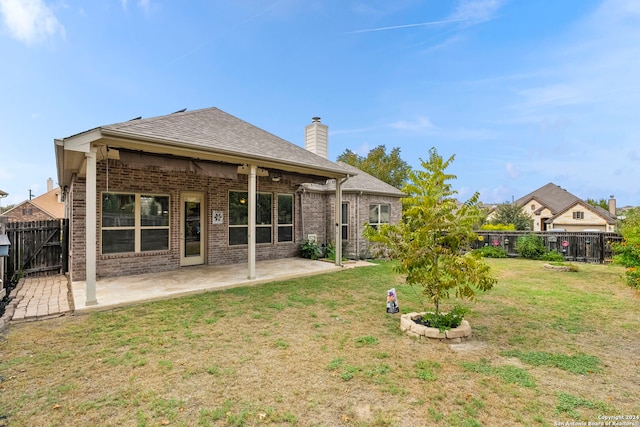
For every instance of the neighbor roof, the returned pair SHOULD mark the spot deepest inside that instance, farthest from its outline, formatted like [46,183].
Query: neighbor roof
[552,196]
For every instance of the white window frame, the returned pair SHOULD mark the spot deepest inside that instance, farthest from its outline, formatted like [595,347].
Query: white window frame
[246,226]
[379,206]
[137,227]
[281,224]
[344,221]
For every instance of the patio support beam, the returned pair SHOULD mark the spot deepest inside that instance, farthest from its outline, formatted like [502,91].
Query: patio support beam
[252,223]
[90,227]
[338,221]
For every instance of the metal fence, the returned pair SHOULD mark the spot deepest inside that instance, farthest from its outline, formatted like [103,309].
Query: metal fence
[595,247]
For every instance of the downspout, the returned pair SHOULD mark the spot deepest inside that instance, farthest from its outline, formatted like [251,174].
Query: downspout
[338,221]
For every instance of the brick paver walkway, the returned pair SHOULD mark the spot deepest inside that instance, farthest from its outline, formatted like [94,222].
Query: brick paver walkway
[41,297]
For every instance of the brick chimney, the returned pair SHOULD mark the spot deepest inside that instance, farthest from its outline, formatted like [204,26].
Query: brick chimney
[316,138]
[612,206]
[49,184]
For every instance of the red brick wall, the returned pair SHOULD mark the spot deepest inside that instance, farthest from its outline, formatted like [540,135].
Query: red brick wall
[153,181]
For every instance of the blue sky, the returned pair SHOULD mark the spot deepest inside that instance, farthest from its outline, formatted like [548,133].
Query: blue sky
[522,93]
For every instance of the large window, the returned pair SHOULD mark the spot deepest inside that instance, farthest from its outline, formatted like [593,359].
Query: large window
[134,223]
[378,215]
[285,217]
[239,218]
[345,221]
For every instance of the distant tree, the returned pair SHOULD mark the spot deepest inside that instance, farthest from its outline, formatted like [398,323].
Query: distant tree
[389,168]
[603,203]
[510,213]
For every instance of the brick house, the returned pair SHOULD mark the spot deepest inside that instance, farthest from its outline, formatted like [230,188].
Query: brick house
[206,188]
[45,207]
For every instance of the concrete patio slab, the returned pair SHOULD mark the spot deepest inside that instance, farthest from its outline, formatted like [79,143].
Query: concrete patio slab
[122,291]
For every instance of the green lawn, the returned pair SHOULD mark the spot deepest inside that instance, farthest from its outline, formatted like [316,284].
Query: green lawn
[548,347]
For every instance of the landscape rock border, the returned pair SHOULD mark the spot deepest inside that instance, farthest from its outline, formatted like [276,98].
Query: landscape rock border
[450,336]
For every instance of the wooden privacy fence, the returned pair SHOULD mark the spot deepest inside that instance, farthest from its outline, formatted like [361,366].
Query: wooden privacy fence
[575,246]
[37,248]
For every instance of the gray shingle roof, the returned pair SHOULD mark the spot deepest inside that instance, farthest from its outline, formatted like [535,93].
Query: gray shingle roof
[367,183]
[214,130]
[552,196]
[364,182]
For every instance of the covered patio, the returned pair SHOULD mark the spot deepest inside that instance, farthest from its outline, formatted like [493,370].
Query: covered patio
[128,290]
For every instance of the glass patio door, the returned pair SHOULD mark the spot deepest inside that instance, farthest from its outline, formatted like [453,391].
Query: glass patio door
[192,229]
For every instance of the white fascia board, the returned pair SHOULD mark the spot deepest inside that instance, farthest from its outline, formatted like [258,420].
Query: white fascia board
[81,142]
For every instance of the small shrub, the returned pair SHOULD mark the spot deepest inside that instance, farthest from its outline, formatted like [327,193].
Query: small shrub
[552,256]
[498,227]
[530,246]
[310,249]
[444,321]
[492,252]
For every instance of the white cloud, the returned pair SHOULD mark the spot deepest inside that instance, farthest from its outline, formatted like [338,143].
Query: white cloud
[417,125]
[476,11]
[512,170]
[144,4]
[30,21]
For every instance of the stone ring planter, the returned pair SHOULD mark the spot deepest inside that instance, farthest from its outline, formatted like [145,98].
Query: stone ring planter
[451,336]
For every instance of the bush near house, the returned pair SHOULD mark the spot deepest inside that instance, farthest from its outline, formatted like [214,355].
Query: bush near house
[530,246]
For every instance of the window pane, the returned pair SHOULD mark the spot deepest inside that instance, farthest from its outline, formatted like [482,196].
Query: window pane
[238,236]
[154,210]
[263,234]
[263,209]
[118,210]
[384,214]
[116,241]
[238,208]
[155,240]
[373,214]
[345,213]
[285,233]
[345,232]
[285,209]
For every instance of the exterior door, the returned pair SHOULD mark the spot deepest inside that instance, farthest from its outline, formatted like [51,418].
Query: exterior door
[192,229]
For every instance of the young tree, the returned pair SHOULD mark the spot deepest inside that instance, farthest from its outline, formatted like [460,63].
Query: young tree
[628,252]
[389,168]
[510,213]
[431,241]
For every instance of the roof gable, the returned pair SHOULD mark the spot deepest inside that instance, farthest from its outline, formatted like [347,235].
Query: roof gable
[603,213]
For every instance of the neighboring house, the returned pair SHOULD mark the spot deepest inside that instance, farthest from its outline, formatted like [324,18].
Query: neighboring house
[552,207]
[48,206]
[204,187]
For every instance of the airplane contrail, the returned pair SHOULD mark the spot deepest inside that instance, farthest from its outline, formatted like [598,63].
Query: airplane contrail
[405,26]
